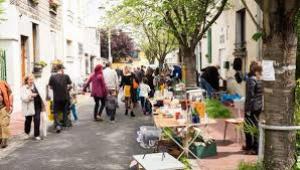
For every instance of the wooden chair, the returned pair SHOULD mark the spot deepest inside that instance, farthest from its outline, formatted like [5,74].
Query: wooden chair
[236,122]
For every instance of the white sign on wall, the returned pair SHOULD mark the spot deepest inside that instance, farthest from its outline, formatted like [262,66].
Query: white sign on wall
[268,70]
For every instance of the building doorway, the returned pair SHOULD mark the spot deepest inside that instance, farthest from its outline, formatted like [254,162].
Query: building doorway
[25,60]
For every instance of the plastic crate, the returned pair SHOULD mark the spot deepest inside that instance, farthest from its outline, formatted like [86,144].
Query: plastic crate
[204,151]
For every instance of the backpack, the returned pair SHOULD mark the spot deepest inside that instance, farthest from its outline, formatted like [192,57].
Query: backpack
[135,85]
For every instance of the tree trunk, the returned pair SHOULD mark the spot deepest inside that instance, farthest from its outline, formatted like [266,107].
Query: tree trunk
[189,64]
[280,45]
[151,60]
[161,63]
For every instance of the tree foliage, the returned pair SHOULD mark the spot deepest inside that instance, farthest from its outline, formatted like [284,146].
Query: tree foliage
[157,41]
[186,20]
[121,44]
[1,9]
[149,53]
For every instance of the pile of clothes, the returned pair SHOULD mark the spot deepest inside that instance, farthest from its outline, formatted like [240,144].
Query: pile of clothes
[228,99]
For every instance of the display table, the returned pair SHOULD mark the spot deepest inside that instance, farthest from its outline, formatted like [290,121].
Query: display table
[162,122]
[158,161]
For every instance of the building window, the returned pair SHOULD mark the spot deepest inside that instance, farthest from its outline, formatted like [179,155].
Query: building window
[222,39]
[240,28]
[69,48]
[35,42]
[53,49]
[80,49]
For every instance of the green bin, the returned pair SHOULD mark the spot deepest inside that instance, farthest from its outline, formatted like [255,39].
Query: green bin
[204,151]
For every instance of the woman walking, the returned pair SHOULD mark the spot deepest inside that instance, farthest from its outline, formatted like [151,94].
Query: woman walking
[32,106]
[254,106]
[150,78]
[128,84]
[99,91]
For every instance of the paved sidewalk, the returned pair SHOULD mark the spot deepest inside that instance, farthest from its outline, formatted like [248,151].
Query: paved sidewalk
[229,154]
[17,118]
[16,124]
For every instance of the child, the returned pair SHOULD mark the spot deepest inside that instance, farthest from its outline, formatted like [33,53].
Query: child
[111,105]
[73,104]
[144,92]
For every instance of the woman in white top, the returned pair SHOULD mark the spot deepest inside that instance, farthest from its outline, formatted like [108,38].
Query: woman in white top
[32,106]
[144,93]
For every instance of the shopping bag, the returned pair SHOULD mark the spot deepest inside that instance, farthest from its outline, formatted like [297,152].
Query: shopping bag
[44,124]
[49,110]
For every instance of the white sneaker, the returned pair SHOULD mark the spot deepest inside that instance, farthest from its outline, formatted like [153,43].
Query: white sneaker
[38,138]
[112,122]
[26,137]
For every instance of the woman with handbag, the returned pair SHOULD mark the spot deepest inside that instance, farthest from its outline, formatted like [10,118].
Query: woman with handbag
[129,85]
[32,106]
[99,91]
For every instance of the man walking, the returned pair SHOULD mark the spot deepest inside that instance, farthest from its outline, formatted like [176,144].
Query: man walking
[60,84]
[6,105]
[112,84]
[111,78]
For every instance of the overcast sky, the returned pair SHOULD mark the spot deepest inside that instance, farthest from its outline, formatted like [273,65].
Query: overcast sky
[95,14]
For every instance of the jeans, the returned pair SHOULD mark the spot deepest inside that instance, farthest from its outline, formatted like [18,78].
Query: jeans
[206,86]
[74,111]
[36,121]
[143,102]
[61,106]
[97,105]
[111,113]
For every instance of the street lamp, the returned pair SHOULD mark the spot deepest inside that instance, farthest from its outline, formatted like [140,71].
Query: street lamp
[110,59]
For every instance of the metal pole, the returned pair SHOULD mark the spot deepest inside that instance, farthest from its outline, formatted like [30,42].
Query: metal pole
[261,143]
[109,46]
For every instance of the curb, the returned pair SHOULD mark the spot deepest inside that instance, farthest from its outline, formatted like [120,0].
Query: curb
[15,142]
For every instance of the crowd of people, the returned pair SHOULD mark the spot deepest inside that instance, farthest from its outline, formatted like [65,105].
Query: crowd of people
[105,84]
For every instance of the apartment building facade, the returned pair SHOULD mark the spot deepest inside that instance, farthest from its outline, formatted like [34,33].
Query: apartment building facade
[81,41]
[45,30]
[229,38]
[30,32]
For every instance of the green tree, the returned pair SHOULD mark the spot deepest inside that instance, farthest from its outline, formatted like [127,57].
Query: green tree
[280,46]
[137,14]
[149,52]
[188,21]
[1,7]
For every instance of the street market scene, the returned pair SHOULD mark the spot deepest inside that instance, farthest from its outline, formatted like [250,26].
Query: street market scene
[149,85]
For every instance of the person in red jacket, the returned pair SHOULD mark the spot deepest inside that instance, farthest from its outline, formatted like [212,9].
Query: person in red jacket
[99,91]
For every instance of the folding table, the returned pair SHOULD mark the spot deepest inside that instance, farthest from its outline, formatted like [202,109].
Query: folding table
[161,122]
[158,161]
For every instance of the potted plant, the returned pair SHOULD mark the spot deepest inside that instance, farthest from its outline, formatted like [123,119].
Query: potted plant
[204,146]
[53,4]
[34,2]
[38,68]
